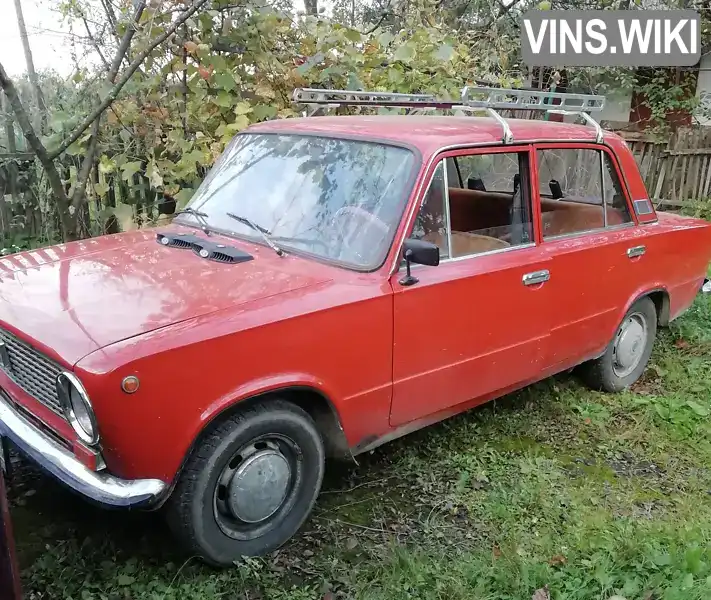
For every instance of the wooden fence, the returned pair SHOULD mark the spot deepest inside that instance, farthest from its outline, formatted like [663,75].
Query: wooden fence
[677,170]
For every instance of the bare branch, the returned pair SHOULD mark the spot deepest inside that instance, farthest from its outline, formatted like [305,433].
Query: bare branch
[95,44]
[132,68]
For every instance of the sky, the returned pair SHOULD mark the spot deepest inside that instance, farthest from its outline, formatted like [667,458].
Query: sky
[49,38]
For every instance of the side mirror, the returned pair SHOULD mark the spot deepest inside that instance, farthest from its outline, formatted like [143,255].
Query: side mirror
[418,252]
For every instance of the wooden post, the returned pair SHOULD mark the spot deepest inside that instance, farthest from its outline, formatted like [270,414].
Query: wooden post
[9,572]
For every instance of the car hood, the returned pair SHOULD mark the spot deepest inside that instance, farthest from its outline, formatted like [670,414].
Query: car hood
[72,299]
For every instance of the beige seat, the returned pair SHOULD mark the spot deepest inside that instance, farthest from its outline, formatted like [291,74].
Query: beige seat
[465,243]
[561,217]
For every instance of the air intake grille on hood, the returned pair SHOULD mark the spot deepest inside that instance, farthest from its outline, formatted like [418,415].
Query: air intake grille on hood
[204,248]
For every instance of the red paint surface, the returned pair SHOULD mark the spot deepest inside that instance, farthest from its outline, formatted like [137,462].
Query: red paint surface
[202,336]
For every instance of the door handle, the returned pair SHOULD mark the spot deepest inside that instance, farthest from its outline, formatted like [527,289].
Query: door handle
[536,277]
[636,251]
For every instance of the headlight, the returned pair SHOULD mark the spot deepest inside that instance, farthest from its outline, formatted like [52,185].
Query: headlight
[77,407]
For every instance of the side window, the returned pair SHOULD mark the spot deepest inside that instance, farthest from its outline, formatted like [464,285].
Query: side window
[571,190]
[615,202]
[478,221]
[495,172]
[431,222]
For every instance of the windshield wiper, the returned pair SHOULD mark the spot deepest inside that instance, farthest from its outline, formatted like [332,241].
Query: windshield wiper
[265,233]
[200,217]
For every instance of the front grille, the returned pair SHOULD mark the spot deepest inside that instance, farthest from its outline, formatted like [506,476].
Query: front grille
[31,370]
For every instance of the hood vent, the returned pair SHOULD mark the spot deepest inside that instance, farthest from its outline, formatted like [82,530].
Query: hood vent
[173,240]
[204,248]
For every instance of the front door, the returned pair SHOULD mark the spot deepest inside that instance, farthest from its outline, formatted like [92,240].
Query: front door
[478,322]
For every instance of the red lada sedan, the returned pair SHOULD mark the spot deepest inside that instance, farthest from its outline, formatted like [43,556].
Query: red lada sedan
[335,282]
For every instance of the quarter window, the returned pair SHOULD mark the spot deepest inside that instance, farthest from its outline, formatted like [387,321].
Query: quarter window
[472,217]
[431,222]
[615,202]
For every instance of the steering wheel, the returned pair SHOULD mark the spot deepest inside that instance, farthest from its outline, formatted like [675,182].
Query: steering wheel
[369,220]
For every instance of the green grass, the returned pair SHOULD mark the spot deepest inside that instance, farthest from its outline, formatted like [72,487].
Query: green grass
[592,495]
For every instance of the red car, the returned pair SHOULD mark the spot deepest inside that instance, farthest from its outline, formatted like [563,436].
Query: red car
[335,283]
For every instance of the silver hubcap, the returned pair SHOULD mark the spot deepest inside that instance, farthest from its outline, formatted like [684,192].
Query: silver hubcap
[259,486]
[630,342]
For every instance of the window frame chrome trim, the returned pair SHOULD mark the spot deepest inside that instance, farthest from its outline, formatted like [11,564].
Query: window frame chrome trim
[473,256]
[602,188]
[410,213]
[447,219]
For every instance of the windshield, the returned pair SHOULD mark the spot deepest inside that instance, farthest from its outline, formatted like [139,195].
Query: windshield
[335,198]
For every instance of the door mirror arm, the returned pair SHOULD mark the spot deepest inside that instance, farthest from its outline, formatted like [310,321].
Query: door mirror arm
[408,279]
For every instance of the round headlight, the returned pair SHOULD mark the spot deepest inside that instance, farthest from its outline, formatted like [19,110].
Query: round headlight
[77,407]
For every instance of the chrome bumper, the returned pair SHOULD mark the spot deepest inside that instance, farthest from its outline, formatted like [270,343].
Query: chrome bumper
[58,461]
[706,287]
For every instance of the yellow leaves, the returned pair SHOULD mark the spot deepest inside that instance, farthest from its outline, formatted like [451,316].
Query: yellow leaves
[154,175]
[242,108]
[240,123]
[264,90]
[101,188]
[106,164]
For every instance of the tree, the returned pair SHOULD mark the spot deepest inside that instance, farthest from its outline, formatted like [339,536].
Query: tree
[68,208]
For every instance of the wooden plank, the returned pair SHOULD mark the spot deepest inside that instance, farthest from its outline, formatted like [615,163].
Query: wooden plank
[675,203]
[9,570]
[682,177]
[705,192]
[690,152]
[660,181]
[694,174]
[700,176]
[670,187]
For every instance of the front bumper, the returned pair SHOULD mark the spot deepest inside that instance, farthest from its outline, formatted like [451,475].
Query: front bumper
[62,464]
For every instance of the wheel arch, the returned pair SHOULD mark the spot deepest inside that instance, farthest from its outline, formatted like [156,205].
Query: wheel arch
[660,297]
[307,397]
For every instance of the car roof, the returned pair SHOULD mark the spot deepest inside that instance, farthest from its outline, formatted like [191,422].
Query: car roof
[429,133]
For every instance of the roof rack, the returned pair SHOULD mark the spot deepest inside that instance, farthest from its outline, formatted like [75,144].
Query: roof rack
[473,99]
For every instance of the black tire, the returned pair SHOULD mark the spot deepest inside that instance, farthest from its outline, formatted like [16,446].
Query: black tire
[199,510]
[605,373]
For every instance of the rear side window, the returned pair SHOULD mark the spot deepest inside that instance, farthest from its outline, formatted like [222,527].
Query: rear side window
[574,185]
[615,202]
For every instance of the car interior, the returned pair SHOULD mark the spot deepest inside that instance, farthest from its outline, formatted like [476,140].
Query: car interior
[483,220]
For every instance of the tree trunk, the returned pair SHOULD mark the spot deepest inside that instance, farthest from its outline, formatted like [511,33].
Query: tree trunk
[5,211]
[66,215]
[39,97]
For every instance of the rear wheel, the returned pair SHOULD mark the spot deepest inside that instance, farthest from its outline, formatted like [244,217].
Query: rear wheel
[249,485]
[628,353]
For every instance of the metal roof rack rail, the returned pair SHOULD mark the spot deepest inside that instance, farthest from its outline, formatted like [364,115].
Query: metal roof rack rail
[473,99]
[520,99]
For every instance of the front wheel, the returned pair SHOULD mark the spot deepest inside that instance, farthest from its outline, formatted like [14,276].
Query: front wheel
[249,485]
[628,353]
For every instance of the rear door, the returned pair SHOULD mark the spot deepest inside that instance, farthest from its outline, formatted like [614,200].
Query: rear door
[595,248]
[478,323]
